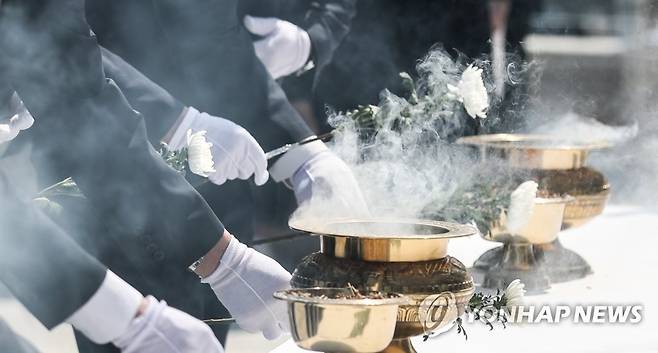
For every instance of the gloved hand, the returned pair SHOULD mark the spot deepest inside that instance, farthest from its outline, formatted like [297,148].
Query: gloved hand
[118,313]
[326,180]
[21,120]
[162,329]
[244,282]
[235,152]
[284,48]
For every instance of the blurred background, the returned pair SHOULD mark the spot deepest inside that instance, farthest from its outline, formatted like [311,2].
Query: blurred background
[596,59]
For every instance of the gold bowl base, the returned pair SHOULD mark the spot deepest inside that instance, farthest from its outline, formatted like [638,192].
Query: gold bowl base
[400,346]
[557,262]
[561,264]
[517,261]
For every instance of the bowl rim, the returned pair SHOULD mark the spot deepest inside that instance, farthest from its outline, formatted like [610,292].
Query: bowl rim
[288,296]
[316,226]
[509,141]
[565,199]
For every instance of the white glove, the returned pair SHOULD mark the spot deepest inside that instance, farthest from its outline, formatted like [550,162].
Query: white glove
[235,153]
[284,48]
[110,316]
[325,180]
[162,329]
[21,120]
[244,282]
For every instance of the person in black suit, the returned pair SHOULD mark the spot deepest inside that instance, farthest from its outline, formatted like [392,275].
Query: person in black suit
[59,282]
[204,56]
[85,128]
[227,79]
[53,277]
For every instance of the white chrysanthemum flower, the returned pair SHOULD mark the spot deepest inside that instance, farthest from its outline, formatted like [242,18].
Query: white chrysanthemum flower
[199,154]
[514,294]
[471,92]
[522,202]
[20,121]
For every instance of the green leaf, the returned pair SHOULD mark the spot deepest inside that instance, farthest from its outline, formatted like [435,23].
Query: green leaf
[66,187]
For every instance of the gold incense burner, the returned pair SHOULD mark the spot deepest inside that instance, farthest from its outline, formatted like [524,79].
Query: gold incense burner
[391,256]
[559,167]
[323,321]
[517,255]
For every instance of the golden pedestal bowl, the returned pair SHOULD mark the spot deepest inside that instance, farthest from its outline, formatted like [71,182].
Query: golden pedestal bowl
[517,257]
[391,256]
[559,167]
[533,151]
[331,320]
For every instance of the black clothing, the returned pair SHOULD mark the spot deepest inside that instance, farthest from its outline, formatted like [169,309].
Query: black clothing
[391,36]
[86,129]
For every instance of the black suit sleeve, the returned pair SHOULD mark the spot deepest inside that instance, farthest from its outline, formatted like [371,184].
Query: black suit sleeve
[84,125]
[159,108]
[41,265]
[327,22]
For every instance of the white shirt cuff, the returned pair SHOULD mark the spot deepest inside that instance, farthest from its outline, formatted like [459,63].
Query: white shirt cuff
[109,311]
[287,165]
[179,137]
[231,259]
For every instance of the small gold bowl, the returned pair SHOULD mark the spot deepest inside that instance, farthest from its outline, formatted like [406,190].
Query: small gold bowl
[543,226]
[383,240]
[322,321]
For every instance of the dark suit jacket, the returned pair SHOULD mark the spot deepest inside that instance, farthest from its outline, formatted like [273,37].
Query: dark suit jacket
[203,55]
[86,129]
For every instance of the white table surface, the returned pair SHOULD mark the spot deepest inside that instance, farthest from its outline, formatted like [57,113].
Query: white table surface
[622,248]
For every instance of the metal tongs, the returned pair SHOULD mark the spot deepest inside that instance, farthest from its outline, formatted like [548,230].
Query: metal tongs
[285,148]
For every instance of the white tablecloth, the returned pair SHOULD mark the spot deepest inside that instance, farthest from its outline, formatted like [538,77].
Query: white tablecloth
[622,248]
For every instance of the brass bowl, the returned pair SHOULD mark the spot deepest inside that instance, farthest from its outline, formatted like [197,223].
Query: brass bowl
[585,208]
[379,240]
[340,325]
[530,151]
[543,226]
[416,280]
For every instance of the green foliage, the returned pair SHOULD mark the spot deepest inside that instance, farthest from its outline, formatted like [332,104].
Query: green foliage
[481,201]
[418,108]
[68,187]
[175,159]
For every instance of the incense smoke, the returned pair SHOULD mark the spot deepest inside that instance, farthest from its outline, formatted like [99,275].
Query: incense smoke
[411,162]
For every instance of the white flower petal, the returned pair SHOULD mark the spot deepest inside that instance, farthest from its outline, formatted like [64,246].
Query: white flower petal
[199,154]
[522,202]
[471,91]
[514,294]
